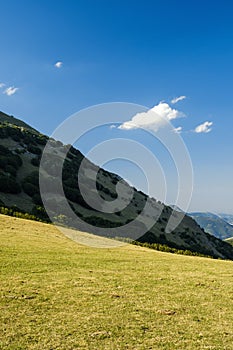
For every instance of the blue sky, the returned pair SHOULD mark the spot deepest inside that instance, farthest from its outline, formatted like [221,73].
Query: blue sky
[141,52]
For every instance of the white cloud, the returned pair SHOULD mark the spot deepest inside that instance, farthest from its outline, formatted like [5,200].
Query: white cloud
[178,130]
[177,99]
[58,64]
[153,119]
[10,90]
[204,127]
[112,126]
[2,85]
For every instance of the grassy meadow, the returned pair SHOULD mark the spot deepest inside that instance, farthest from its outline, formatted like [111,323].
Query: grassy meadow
[57,294]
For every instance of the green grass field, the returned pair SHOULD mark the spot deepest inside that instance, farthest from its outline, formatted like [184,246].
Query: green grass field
[57,294]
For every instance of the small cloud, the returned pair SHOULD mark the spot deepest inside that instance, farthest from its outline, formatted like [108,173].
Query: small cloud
[204,128]
[58,64]
[177,99]
[112,126]
[153,119]
[2,85]
[178,130]
[10,90]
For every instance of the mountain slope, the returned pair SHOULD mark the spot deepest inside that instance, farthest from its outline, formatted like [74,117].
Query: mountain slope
[227,217]
[20,153]
[7,119]
[213,224]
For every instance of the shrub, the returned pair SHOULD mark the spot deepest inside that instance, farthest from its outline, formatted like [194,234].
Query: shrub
[11,170]
[40,213]
[30,189]
[4,151]
[71,194]
[35,161]
[16,138]
[3,162]
[29,140]
[34,149]
[71,182]
[9,185]
[13,211]
[36,198]
[14,161]
[167,249]
[33,178]
[41,140]
[100,222]
[8,158]
[75,196]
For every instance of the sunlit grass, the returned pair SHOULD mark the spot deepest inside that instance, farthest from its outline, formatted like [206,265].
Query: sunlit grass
[56,294]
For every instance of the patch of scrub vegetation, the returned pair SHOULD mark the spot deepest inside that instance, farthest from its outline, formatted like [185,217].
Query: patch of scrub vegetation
[56,294]
[39,213]
[9,164]
[165,248]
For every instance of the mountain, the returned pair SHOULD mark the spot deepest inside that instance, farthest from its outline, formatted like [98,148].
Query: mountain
[227,217]
[10,120]
[213,224]
[176,208]
[230,240]
[21,148]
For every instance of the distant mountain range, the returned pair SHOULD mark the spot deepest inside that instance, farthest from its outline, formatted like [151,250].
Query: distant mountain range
[216,225]
[227,217]
[21,147]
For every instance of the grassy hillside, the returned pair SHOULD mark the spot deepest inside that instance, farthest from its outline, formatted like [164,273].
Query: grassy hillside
[56,294]
[20,153]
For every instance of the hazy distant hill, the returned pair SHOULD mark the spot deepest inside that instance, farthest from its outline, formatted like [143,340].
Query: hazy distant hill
[20,152]
[227,217]
[213,224]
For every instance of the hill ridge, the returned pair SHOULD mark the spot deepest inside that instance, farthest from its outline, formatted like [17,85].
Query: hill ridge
[10,119]
[20,154]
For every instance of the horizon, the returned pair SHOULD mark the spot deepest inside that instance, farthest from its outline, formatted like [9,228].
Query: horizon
[142,54]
